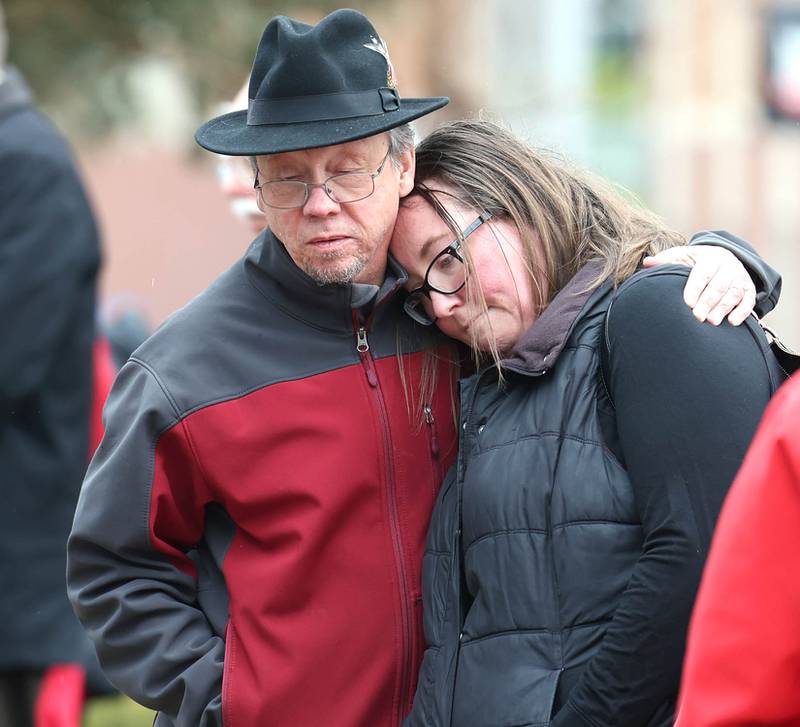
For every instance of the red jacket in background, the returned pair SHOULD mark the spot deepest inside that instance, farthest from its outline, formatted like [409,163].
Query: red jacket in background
[743,658]
[103,374]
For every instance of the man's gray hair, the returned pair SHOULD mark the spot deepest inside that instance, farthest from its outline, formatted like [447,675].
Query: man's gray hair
[401,140]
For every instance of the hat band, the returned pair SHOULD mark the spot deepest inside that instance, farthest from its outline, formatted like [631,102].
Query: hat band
[322,107]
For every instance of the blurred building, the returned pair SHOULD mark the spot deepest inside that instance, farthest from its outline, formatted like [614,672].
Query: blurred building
[724,126]
[692,104]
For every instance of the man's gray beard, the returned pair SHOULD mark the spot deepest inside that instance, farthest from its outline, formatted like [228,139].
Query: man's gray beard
[334,275]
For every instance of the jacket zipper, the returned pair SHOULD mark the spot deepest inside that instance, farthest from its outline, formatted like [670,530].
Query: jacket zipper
[433,440]
[367,361]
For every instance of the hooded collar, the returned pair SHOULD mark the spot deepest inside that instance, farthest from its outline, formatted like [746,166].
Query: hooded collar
[272,271]
[14,92]
[541,344]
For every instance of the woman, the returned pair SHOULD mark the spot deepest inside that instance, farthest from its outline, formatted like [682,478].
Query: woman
[598,439]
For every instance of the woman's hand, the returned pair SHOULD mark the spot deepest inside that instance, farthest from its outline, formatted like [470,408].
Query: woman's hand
[718,285]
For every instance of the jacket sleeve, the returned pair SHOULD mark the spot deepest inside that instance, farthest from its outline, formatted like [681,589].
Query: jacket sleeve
[130,580]
[48,255]
[743,653]
[687,399]
[766,279]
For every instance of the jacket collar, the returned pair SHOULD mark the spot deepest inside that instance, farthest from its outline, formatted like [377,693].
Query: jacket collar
[541,344]
[14,92]
[273,272]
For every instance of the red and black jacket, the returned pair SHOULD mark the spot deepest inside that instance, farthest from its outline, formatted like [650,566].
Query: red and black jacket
[247,544]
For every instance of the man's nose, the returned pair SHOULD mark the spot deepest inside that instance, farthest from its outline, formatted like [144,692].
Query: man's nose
[319,204]
[443,305]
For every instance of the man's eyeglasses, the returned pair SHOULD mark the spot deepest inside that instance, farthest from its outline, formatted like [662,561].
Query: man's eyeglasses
[446,274]
[285,194]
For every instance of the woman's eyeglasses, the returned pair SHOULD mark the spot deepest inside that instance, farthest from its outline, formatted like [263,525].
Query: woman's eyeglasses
[446,274]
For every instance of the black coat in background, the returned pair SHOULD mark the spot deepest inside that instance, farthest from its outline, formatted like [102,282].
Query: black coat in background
[49,257]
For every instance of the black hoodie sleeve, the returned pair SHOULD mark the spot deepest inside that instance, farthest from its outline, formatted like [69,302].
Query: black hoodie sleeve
[687,398]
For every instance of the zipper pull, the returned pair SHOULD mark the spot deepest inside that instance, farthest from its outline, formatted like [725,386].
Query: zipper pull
[427,412]
[362,346]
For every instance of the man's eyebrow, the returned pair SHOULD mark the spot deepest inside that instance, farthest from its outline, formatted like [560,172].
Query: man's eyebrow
[347,159]
[356,158]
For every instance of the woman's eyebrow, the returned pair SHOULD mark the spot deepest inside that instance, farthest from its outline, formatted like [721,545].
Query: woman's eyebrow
[426,246]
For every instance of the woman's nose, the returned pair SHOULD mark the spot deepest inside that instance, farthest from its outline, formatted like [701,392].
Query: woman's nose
[443,305]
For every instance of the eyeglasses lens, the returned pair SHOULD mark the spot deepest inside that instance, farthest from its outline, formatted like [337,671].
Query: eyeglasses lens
[419,307]
[341,188]
[447,273]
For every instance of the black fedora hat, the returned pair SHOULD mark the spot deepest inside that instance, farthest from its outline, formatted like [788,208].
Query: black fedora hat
[313,86]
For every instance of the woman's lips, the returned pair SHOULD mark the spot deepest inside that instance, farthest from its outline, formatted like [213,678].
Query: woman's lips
[474,320]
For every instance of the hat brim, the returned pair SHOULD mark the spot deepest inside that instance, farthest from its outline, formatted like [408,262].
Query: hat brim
[229,134]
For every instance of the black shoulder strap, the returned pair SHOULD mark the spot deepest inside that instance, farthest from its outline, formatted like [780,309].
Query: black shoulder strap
[605,355]
[787,360]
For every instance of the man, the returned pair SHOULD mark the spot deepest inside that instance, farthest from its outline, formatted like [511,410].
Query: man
[248,541]
[49,257]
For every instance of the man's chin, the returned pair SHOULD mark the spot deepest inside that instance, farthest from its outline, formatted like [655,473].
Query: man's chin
[334,272]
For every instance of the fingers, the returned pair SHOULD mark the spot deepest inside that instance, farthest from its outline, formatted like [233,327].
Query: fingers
[742,311]
[729,300]
[671,256]
[727,289]
[718,285]
[700,293]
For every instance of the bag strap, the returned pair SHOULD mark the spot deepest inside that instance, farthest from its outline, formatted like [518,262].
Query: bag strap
[788,359]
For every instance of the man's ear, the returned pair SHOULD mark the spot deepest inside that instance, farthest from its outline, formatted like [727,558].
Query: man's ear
[408,161]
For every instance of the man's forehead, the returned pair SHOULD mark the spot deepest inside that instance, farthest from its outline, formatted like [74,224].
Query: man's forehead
[359,149]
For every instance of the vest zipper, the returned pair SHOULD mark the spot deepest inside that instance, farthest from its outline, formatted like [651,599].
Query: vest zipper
[367,361]
[466,413]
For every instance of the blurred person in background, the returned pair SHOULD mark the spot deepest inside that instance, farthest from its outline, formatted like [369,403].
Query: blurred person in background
[598,439]
[49,258]
[280,468]
[235,176]
[743,655]
[121,327]
[125,323]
